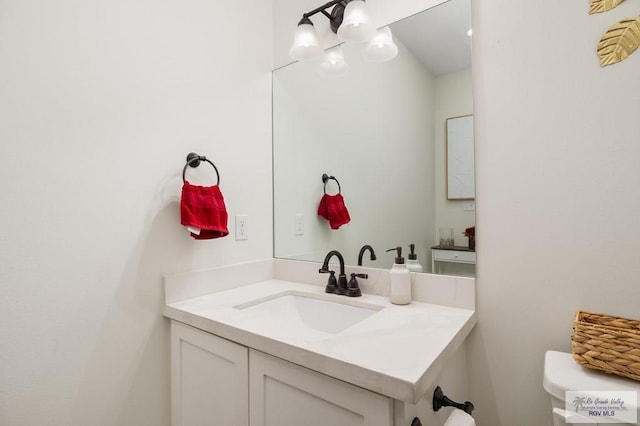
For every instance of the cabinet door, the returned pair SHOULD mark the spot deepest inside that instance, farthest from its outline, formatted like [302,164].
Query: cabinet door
[284,394]
[209,379]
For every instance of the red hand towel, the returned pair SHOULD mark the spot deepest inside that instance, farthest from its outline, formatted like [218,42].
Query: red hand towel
[333,209]
[322,208]
[203,207]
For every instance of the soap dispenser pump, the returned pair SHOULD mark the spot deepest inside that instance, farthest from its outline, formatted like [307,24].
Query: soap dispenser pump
[399,280]
[412,260]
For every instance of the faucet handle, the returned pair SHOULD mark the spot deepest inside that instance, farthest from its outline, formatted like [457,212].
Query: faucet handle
[353,290]
[332,283]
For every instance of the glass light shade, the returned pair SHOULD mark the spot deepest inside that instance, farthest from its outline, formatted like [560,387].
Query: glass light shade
[333,63]
[305,43]
[381,47]
[357,25]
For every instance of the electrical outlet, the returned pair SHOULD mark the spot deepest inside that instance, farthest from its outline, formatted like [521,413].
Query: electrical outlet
[299,224]
[242,227]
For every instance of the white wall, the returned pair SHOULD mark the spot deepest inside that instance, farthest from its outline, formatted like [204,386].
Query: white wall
[373,129]
[100,103]
[557,193]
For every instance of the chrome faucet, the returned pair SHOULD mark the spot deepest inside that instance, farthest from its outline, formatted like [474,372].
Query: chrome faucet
[362,250]
[332,287]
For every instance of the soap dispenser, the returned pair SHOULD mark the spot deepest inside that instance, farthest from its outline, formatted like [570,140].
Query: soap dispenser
[399,280]
[412,260]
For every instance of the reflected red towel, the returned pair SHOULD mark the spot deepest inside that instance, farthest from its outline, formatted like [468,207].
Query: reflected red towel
[203,207]
[333,209]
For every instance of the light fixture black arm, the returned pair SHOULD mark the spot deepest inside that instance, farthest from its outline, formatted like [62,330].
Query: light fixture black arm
[335,17]
[322,8]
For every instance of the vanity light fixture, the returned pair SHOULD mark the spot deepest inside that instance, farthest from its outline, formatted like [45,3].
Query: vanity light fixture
[305,41]
[333,63]
[350,20]
[381,47]
[356,25]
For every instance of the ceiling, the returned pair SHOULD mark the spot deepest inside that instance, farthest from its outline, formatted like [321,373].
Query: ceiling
[438,36]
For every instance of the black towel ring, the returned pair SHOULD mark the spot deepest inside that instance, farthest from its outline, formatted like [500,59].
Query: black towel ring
[193,160]
[325,178]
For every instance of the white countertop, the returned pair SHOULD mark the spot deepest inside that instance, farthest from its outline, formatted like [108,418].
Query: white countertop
[398,351]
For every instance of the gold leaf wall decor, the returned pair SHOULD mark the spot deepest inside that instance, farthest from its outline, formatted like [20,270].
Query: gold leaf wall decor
[599,6]
[619,41]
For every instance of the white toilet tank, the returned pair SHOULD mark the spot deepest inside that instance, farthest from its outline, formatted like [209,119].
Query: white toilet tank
[562,373]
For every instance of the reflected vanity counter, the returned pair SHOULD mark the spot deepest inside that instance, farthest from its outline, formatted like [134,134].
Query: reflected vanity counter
[395,351]
[451,254]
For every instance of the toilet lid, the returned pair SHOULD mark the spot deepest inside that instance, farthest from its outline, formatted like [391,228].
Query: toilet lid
[562,373]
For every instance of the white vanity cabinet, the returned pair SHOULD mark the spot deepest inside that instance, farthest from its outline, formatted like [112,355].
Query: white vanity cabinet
[209,379]
[285,394]
[218,382]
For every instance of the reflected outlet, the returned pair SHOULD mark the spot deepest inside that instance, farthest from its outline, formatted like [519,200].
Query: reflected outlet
[299,224]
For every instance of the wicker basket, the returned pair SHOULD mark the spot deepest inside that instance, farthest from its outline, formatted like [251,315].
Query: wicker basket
[607,343]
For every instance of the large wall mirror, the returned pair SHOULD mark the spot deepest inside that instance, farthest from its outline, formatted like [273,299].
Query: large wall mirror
[380,130]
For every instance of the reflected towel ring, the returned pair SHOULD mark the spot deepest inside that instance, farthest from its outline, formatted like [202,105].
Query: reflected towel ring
[193,160]
[325,178]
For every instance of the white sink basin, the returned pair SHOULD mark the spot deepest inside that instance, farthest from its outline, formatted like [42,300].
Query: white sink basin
[325,313]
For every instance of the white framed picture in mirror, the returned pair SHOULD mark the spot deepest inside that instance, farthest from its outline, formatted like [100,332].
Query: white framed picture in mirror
[460,158]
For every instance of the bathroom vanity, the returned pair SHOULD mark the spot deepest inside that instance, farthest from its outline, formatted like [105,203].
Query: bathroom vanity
[221,382]
[262,344]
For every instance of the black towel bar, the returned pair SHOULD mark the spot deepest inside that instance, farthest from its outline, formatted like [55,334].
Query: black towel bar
[194,160]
